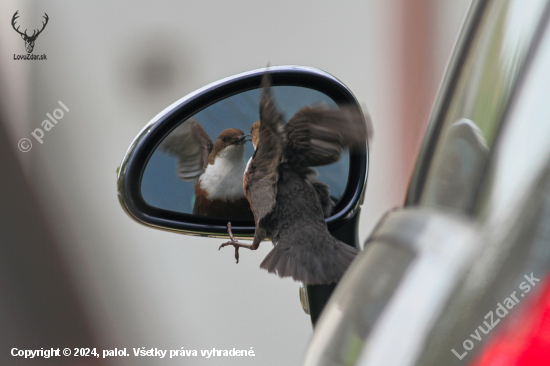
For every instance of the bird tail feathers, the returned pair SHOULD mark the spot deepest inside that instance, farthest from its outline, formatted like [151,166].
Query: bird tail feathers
[310,267]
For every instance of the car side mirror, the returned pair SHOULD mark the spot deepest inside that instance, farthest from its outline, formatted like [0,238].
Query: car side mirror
[158,178]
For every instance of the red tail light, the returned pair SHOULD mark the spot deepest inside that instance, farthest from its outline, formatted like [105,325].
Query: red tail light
[524,339]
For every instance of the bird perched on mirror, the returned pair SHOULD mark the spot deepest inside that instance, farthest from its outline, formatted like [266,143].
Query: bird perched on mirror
[217,169]
[278,183]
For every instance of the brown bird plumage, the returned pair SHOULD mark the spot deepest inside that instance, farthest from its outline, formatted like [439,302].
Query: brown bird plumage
[216,169]
[287,200]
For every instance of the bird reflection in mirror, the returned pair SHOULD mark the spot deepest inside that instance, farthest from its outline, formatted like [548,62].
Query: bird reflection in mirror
[216,168]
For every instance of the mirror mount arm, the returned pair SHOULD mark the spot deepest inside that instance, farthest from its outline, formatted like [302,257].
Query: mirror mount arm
[318,295]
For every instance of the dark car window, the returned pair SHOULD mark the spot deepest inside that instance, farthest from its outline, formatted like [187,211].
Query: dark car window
[483,89]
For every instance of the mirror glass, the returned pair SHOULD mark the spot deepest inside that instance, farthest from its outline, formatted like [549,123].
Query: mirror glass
[173,179]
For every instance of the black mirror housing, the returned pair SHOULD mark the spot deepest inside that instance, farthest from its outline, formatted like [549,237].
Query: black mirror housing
[132,169]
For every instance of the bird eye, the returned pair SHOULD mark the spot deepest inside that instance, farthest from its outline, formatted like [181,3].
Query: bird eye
[224,139]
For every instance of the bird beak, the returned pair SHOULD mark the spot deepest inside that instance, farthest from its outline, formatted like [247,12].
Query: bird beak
[241,140]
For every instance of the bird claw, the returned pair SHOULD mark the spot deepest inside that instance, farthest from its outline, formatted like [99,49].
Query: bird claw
[235,244]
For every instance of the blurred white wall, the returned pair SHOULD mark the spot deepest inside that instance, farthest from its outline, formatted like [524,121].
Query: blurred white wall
[115,64]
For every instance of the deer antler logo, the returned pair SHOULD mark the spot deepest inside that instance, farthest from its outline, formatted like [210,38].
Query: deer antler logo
[29,40]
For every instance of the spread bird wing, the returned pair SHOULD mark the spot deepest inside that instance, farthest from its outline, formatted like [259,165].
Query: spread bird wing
[262,176]
[190,143]
[318,134]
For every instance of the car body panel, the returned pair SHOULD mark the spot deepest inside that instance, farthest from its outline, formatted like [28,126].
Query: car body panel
[484,166]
